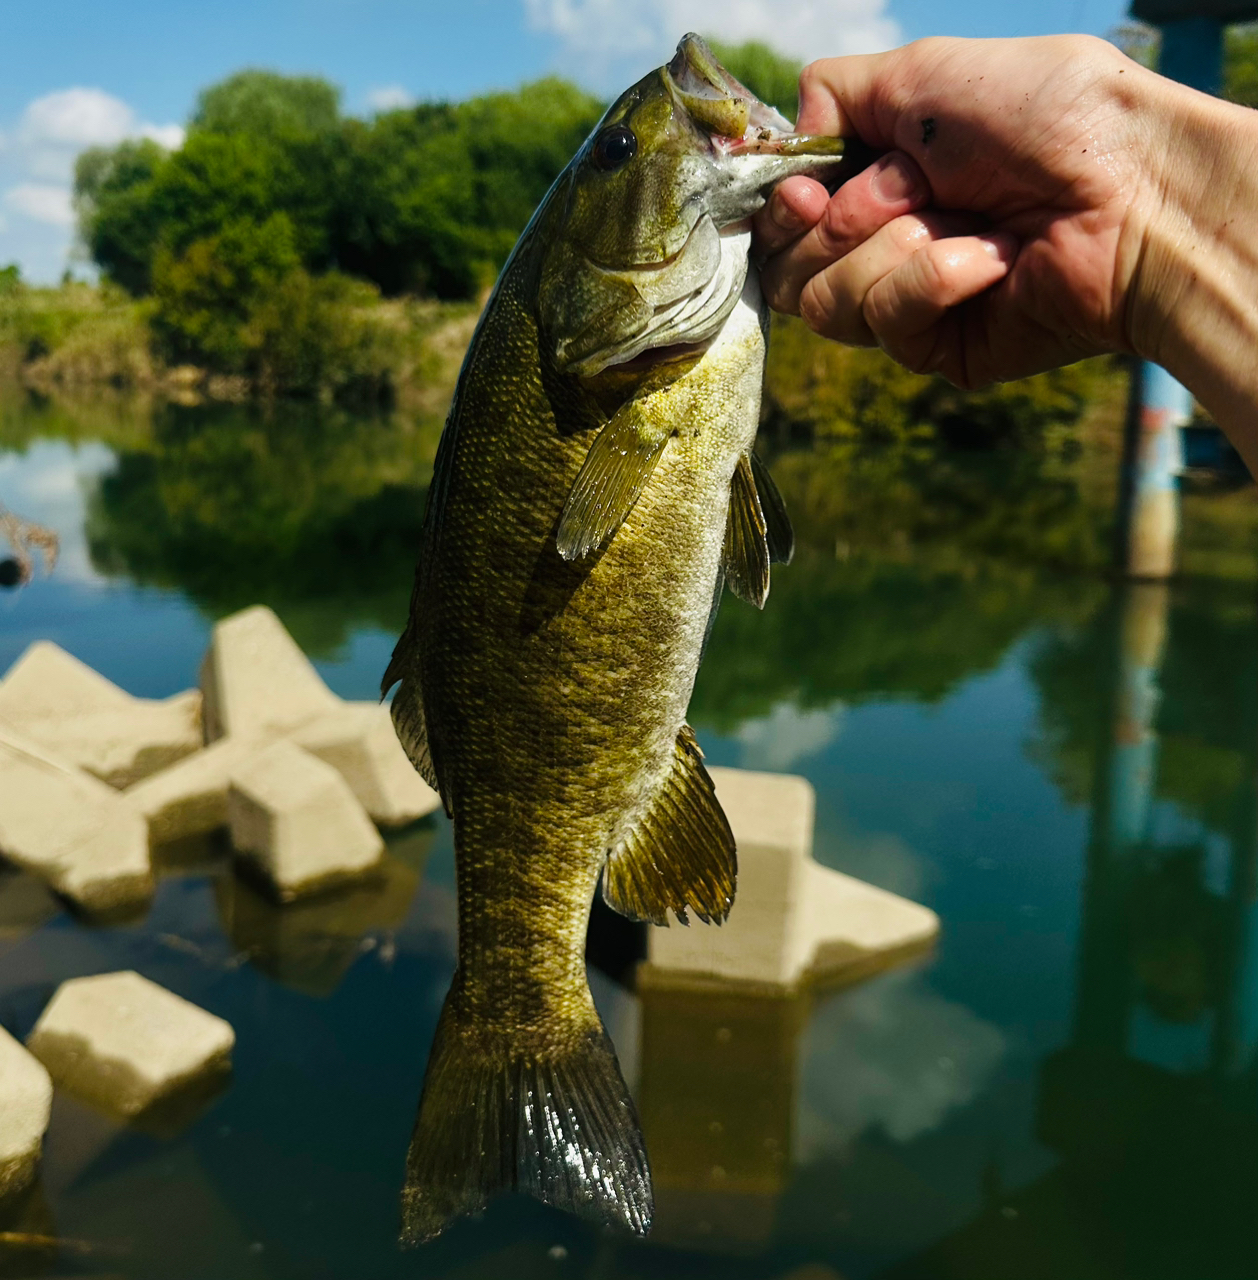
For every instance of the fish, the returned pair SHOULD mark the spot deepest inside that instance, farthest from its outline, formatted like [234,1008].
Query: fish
[594,489]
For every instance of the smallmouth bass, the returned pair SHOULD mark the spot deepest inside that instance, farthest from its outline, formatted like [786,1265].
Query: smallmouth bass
[594,489]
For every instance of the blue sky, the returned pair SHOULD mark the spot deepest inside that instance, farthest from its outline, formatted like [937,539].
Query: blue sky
[78,72]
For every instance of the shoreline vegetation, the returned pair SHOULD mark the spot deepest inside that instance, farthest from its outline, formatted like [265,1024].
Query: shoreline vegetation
[287,254]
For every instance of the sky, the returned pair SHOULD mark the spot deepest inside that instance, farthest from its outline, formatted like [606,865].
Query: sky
[82,73]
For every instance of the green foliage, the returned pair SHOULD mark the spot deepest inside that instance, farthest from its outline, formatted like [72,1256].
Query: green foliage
[72,334]
[833,392]
[119,215]
[441,191]
[1240,65]
[206,295]
[265,104]
[311,510]
[773,78]
[10,278]
[240,301]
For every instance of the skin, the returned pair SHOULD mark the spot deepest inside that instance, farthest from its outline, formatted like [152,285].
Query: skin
[1066,202]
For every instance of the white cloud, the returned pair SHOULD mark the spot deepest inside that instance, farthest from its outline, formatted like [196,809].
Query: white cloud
[50,483]
[787,735]
[37,166]
[602,39]
[42,202]
[390,97]
[890,1055]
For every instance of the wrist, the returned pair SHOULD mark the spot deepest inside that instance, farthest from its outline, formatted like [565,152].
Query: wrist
[1192,303]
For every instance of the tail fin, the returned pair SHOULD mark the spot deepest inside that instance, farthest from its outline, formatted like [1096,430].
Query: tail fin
[555,1121]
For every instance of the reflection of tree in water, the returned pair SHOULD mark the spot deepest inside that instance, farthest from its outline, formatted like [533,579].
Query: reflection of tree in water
[917,568]
[1206,718]
[1176,928]
[313,511]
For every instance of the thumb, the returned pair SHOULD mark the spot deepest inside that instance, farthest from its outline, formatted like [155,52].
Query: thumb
[839,97]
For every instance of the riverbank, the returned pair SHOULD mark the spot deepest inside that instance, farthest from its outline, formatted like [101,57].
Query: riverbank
[357,348]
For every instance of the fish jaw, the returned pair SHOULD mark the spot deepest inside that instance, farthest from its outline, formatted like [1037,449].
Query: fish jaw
[751,146]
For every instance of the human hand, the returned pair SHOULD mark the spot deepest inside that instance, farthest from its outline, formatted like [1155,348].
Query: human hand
[1008,229]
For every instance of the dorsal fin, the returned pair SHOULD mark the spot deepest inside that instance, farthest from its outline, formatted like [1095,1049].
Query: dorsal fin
[745,557]
[680,855]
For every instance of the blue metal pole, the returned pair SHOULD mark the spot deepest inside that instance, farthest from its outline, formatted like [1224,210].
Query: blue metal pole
[1192,53]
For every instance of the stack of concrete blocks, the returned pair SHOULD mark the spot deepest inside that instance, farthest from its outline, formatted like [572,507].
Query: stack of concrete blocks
[297,774]
[92,779]
[793,921]
[119,1041]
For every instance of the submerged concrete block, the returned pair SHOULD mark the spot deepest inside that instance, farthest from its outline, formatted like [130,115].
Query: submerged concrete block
[792,919]
[25,1104]
[256,680]
[61,703]
[71,829]
[358,740]
[125,1043]
[296,820]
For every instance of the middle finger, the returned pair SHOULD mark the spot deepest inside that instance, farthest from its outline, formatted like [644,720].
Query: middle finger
[888,189]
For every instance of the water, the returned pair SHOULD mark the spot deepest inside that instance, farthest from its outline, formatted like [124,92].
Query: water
[1066,1086]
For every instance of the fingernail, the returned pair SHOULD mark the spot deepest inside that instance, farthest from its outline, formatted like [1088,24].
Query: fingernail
[784,216]
[898,179]
[1000,245]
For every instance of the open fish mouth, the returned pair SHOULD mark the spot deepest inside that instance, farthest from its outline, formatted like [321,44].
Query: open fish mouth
[736,121]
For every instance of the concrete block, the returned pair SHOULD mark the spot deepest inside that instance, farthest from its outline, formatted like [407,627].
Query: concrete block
[358,740]
[25,1104]
[792,920]
[125,1043]
[296,821]
[57,701]
[70,829]
[256,680]
[190,798]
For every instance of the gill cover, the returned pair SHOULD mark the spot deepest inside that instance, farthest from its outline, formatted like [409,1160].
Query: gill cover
[647,249]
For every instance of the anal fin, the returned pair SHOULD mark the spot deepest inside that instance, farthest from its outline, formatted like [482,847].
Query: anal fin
[680,856]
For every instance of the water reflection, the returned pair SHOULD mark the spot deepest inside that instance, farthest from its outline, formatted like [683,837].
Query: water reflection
[1019,1107]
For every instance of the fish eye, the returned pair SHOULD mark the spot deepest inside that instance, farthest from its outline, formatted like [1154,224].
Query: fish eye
[614,147]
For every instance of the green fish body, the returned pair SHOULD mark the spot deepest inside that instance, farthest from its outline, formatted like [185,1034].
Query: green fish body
[594,488]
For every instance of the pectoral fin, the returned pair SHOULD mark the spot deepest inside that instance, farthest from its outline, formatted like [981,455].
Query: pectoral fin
[778,531]
[745,557]
[680,856]
[616,469]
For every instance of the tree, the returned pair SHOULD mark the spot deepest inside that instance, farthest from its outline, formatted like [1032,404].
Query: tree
[119,218]
[266,104]
[436,195]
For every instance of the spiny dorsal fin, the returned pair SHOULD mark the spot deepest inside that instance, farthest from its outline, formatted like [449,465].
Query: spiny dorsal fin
[778,531]
[616,469]
[680,856]
[501,1112]
[746,554]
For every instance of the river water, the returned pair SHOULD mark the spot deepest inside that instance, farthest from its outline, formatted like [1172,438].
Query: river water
[1064,770]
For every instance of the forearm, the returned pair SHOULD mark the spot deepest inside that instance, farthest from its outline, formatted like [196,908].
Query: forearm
[1194,304]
